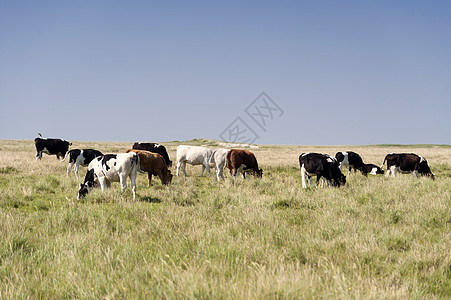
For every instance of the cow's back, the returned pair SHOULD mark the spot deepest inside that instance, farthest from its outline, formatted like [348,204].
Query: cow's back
[150,161]
[155,148]
[236,158]
[193,154]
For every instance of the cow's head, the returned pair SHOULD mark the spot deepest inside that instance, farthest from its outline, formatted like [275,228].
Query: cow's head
[339,180]
[379,171]
[424,169]
[167,178]
[259,173]
[170,163]
[88,185]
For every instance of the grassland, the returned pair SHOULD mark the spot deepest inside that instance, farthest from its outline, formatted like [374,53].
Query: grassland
[374,238]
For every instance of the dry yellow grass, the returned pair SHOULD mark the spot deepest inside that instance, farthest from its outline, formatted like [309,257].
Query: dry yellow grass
[375,237]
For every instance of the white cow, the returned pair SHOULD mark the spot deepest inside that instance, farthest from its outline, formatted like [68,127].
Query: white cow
[193,155]
[219,159]
[111,168]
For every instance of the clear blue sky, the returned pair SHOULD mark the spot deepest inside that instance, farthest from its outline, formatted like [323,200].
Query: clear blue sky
[344,72]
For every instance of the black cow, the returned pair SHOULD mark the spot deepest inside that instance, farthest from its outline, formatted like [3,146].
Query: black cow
[155,148]
[407,163]
[56,147]
[80,157]
[373,169]
[352,160]
[321,165]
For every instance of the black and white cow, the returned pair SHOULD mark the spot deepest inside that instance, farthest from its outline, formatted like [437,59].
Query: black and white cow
[373,169]
[155,148]
[351,160]
[80,157]
[111,168]
[407,163]
[320,165]
[56,147]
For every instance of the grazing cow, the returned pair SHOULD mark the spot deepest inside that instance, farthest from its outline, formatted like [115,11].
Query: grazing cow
[155,148]
[219,159]
[193,155]
[242,161]
[153,164]
[110,168]
[352,160]
[407,163]
[80,157]
[56,147]
[321,165]
[373,169]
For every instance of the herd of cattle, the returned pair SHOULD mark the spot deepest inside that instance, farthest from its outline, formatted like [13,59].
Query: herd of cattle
[154,159]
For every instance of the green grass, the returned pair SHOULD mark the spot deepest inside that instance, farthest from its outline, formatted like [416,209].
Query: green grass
[375,237]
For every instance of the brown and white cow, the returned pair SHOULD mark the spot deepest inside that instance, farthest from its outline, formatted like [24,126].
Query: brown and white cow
[153,164]
[407,163]
[243,161]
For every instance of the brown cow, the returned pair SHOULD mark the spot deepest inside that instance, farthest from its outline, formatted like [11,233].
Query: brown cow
[242,161]
[153,164]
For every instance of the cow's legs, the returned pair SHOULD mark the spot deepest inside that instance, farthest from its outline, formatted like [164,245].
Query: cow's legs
[133,184]
[318,179]
[303,177]
[149,178]
[77,166]
[393,171]
[178,168]
[387,174]
[103,183]
[184,168]
[181,165]
[202,172]
[219,172]
[123,181]
[239,171]
[69,167]
[39,155]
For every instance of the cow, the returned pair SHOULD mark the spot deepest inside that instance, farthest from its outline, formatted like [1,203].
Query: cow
[219,159]
[110,168]
[321,165]
[153,164]
[373,169]
[243,161]
[350,160]
[194,155]
[80,157]
[407,163]
[56,147]
[155,148]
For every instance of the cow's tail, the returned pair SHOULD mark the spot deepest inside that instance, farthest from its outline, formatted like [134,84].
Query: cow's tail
[67,153]
[40,134]
[135,162]
[385,159]
[212,157]
[229,161]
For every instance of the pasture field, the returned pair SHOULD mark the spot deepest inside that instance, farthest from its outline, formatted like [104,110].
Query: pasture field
[374,238]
